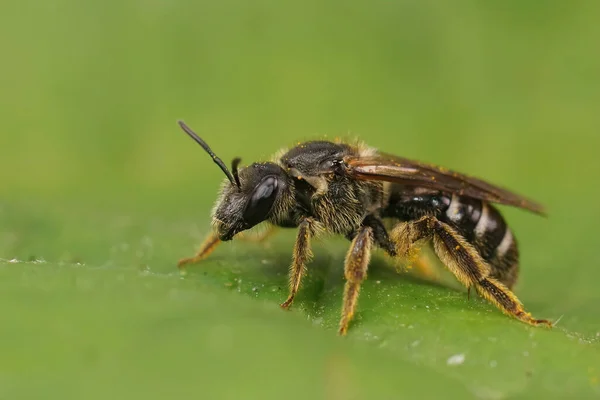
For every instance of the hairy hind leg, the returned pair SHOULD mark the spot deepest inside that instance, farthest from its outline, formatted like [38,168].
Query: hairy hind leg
[463,260]
[408,238]
[408,235]
[424,267]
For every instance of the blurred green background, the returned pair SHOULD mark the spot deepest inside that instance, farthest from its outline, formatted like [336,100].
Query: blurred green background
[101,193]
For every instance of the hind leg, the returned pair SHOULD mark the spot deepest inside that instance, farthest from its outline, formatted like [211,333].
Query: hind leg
[408,237]
[463,260]
[424,267]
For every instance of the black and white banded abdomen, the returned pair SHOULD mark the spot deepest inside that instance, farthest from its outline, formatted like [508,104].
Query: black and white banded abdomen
[480,223]
[484,227]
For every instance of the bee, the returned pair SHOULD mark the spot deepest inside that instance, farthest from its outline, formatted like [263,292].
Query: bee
[374,199]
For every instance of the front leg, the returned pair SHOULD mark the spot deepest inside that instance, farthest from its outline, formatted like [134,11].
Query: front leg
[355,271]
[208,246]
[212,241]
[302,255]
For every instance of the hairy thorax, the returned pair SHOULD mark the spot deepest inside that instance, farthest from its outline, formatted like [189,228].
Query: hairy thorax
[334,200]
[345,203]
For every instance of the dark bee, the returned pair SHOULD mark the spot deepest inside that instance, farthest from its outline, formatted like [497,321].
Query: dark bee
[377,199]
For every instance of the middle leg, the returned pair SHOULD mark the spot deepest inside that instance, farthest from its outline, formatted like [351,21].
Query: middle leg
[355,271]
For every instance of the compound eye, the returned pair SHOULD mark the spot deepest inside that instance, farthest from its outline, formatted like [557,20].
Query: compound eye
[262,201]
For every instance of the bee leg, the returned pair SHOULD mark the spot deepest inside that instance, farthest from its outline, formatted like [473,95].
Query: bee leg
[380,234]
[425,267]
[355,271]
[212,241]
[208,246]
[407,237]
[302,255]
[463,260]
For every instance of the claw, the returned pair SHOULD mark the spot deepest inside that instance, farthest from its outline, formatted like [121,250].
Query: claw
[286,304]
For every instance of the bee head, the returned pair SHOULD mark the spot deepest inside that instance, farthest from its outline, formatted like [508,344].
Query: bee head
[249,195]
[264,190]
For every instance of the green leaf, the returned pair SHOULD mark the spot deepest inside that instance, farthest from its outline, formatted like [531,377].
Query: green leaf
[108,313]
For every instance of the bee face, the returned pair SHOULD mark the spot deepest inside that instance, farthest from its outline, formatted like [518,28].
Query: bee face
[263,190]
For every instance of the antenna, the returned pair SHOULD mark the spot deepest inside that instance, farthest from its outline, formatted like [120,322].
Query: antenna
[234,181]
[234,170]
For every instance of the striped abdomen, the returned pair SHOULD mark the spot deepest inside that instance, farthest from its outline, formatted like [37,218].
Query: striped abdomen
[478,222]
